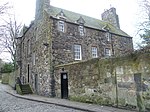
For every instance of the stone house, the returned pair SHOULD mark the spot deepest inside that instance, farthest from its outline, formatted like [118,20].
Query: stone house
[58,36]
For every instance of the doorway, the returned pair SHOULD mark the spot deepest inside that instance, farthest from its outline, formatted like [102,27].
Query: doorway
[64,85]
[36,83]
[28,73]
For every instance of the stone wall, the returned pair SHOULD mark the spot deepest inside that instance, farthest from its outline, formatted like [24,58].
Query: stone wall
[10,78]
[5,78]
[105,81]
[36,56]
[43,46]
[63,42]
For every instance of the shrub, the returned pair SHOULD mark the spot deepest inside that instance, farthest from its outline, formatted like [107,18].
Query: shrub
[7,68]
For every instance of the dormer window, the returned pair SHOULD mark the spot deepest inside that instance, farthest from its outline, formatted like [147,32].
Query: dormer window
[61,26]
[61,15]
[81,30]
[108,36]
[81,22]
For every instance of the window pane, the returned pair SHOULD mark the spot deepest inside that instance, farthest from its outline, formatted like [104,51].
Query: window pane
[94,52]
[61,26]
[108,36]
[81,30]
[33,58]
[107,52]
[77,52]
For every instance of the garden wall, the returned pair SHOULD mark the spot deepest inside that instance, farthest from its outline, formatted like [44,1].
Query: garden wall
[5,78]
[10,78]
[108,81]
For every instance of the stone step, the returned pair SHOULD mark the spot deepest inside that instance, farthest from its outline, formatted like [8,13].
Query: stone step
[26,89]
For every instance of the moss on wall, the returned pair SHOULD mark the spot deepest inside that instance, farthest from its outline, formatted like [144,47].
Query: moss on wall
[105,81]
[18,89]
[95,99]
[12,78]
[5,78]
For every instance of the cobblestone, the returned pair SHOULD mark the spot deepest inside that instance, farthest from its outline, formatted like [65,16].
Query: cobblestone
[12,102]
[9,103]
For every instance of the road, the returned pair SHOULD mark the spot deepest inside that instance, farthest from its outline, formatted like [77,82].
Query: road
[9,103]
[13,102]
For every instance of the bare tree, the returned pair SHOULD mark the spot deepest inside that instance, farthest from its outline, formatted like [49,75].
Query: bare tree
[144,26]
[8,35]
[4,8]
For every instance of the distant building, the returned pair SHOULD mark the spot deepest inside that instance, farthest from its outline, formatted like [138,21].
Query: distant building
[58,36]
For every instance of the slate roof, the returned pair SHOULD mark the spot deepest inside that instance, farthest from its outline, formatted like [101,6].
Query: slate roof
[89,21]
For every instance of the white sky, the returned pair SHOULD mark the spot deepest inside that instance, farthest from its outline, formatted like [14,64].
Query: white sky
[127,10]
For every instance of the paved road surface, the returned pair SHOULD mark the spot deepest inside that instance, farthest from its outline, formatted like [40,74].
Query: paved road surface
[13,102]
[10,103]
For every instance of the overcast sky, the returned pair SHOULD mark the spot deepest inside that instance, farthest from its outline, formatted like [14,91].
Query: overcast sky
[127,10]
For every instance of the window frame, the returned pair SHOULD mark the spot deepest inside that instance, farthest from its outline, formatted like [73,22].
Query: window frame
[61,26]
[77,52]
[81,30]
[108,36]
[109,52]
[94,52]
[33,58]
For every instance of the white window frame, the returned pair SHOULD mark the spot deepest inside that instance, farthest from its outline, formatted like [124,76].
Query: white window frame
[94,52]
[61,26]
[33,58]
[107,52]
[81,30]
[77,52]
[108,36]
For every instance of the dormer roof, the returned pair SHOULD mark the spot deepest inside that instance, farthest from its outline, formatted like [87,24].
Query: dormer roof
[88,21]
[61,15]
[81,21]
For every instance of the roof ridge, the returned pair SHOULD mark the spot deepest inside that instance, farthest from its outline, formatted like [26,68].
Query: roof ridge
[76,12]
[89,21]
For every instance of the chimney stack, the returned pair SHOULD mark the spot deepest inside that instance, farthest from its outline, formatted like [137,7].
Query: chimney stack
[111,17]
[40,6]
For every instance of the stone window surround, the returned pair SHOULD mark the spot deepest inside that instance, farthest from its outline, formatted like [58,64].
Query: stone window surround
[61,26]
[81,30]
[107,52]
[77,52]
[108,36]
[94,52]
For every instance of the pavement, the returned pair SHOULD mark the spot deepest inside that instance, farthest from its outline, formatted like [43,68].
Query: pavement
[64,102]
